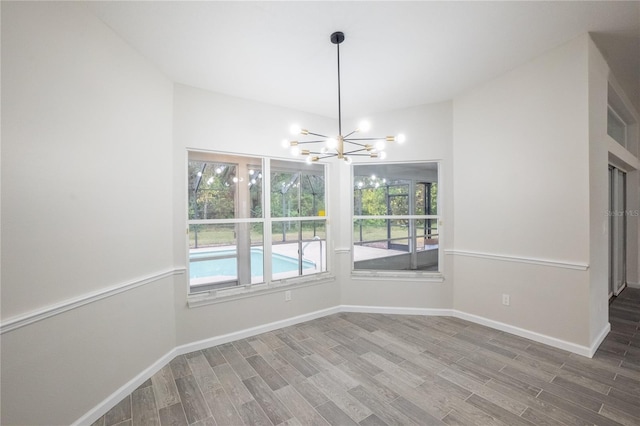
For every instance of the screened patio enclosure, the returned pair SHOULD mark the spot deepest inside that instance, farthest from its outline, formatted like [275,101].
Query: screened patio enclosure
[395,217]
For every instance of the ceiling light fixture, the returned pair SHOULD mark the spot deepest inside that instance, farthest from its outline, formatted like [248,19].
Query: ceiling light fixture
[343,147]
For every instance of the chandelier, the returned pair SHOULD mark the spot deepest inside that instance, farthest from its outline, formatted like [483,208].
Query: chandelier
[342,146]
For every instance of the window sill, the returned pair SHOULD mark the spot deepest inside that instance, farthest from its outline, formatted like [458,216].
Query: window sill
[243,292]
[413,276]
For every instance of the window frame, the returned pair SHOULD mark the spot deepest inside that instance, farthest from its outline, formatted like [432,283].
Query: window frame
[269,284]
[400,275]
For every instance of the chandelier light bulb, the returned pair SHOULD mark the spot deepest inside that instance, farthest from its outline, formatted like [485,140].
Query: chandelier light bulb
[331,143]
[364,126]
[309,159]
[401,138]
[295,129]
[380,145]
[382,155]
[324,150]
[348,159]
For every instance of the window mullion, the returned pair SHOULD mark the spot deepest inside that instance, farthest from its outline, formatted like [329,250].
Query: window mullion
[266,214]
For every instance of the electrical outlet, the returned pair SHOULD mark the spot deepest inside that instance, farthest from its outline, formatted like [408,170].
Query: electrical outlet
[287,295]
[506,300]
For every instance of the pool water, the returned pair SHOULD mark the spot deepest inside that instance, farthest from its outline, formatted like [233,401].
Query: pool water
[225,264]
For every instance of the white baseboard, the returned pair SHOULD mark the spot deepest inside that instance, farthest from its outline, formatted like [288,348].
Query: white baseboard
[253,331]
[95,413]
[598,340]
[532,335]
[395,310]
[99,410]
[632,284]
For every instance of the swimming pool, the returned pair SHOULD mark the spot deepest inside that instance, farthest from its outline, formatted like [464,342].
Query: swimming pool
[216,263]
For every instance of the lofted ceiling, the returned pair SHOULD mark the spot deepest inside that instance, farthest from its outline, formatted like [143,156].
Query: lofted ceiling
[396,54]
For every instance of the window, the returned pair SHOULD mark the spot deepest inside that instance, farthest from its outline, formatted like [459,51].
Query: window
[616,127]
[229,240]
[298,223]
[395,222]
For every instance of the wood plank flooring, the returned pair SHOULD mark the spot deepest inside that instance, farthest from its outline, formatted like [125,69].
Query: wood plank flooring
[373,369]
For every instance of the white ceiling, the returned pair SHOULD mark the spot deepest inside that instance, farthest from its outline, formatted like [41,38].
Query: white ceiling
[396,54]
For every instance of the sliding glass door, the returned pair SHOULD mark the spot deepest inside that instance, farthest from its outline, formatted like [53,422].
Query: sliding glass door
[617,230]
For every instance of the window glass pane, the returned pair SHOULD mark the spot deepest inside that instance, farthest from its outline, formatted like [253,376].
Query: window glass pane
[370,201]
[297,189]
[379,244]
[427,244]
[314,246]
[214,251]
[284,193]
[433,201]
[312,194]
[398,200]
[616,128]
[212,256]
[426,194]
[212,190]
[299,248]
[384,189]
[285,247]
[386,245]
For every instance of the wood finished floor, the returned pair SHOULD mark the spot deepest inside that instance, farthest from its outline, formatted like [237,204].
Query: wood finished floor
[373,369]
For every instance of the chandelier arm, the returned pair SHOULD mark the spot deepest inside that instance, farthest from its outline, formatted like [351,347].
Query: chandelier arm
[318,135]
[354,151]
[355,143]
[367,139]
[327,156]
[351,133]
[304,142]
[357,155]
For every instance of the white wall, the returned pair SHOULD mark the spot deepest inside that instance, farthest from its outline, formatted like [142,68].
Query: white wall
[86,207]
[521,175]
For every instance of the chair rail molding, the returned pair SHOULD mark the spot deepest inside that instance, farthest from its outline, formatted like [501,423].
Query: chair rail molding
[520,259]
[19,321]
